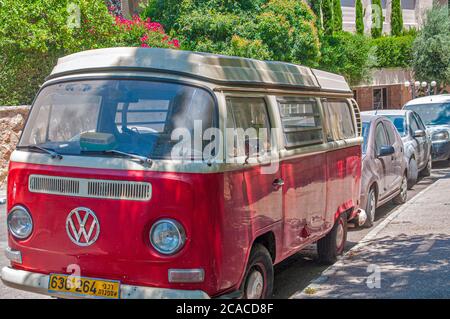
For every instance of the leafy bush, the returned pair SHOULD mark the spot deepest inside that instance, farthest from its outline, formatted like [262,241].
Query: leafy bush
[393,51]
[281,30]
[347,54]
[34,33]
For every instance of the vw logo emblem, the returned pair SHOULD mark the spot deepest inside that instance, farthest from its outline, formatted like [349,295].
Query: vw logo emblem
[82,226]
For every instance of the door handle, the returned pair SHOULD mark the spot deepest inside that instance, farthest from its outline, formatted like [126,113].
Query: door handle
[278,182]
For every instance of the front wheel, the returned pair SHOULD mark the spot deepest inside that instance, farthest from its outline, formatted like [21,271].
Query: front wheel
[371,207]
[333,244]
[402,197]
[258,280]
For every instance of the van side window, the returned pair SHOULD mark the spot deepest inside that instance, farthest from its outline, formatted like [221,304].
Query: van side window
[339,120]
[250,117]
[301,120]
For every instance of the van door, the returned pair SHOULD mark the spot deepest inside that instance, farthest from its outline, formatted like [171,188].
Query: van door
[303,170]
[383,163]
[262,189]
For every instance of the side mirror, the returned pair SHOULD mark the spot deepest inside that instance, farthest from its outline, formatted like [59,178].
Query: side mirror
[386,151]
[420,133]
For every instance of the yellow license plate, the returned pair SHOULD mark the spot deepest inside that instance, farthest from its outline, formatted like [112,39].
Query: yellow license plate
[85,287]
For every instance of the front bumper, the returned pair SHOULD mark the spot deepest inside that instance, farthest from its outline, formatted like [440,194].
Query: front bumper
[38,283]
[441,151]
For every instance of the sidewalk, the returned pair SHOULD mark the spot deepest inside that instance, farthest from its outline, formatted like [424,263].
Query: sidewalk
[406,256]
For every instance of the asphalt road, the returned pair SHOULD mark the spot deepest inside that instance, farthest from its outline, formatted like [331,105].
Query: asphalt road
[291,276]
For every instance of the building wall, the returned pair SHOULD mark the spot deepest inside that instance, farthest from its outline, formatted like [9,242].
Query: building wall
[413,12]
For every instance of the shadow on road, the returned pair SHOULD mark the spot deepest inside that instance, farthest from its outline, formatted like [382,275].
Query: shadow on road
[405,271]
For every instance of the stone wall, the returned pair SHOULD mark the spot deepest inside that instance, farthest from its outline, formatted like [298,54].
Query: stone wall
[12,119]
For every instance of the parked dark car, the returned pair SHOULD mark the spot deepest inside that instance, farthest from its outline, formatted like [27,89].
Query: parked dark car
[435,113]
[384,174]
[415,139]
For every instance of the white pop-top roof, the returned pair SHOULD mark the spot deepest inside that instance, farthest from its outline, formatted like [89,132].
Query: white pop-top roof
[443,98]
[227,70]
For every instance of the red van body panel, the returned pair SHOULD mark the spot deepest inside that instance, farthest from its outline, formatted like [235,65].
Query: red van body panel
[222,213]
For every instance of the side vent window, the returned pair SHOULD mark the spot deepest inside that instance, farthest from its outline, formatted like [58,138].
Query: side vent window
[301,120]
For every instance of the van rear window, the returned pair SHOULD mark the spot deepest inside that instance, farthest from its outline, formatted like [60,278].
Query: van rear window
[301,120]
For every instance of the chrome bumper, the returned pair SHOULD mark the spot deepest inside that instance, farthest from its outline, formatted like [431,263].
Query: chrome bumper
[38,283]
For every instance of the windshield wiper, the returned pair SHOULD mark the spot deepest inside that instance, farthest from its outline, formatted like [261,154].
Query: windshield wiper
[51,152]
[142,159]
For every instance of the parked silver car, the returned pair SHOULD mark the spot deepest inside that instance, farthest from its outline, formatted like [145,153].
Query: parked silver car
[384,176]
[435,113]
[415,139]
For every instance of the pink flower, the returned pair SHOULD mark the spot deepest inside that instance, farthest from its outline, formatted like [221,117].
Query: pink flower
[145,45]
[144,38]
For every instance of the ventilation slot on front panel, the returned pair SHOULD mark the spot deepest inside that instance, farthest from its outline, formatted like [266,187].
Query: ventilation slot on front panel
[54,185]
[93,188]
[119,190]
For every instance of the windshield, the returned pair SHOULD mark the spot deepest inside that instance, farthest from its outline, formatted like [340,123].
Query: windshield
[139,116]
[433,114]
[399,122]
[365,134]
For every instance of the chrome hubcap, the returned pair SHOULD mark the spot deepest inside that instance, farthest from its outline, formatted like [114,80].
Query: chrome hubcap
[255,285]
[340,236]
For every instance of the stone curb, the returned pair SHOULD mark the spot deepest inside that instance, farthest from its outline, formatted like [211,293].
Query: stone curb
[365,241]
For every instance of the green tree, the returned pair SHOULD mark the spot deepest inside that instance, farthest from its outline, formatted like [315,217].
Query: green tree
[316,7]
[431,49]
[347,54]
[337,16]
[328,16]
[377,19]
[396,18]
[359,17]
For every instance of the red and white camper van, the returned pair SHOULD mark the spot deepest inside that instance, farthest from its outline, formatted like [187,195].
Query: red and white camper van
[154,173]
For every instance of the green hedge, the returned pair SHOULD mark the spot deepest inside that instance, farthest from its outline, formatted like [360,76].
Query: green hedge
[393,51]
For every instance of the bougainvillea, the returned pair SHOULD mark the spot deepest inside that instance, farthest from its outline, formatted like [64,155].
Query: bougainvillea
[144,33]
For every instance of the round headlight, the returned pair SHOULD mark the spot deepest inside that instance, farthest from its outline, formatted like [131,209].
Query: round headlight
[20,223]
[167,236]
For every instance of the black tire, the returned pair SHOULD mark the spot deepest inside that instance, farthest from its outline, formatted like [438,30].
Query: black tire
[413,173]
[328,247]
[427,170]
[259,265]
[371,207]
[402,197]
